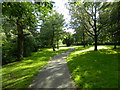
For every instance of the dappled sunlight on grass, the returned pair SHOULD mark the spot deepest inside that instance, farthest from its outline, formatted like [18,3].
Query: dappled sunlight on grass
[109,51]
[65,47]
[94,69]
[62,47]
[20,74]
[98,47]
[90,49]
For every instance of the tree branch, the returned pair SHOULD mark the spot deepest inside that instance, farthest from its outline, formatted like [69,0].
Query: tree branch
[99,28]
[87,12]
[90,24]
[88,31]
[89,35]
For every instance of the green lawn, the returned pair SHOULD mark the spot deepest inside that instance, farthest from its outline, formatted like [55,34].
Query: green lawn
[91,69]
[20,74]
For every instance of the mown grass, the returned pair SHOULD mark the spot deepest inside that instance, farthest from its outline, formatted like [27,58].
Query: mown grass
[20,74]
[94,69]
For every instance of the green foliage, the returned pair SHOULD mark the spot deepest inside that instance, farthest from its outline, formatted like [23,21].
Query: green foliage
[22,17]
[110,18]
[51,30]
[21,73]
[9,51]
[19,25]
[92,69]
[30,45]
[68,39]
[99,21]
[22,11]
[9,48]
[114,22]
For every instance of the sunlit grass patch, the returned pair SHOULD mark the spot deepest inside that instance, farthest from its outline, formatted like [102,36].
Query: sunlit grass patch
[89,49]
[20,74]
[94,69]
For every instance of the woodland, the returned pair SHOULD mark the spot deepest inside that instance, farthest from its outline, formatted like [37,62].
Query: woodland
[33,32]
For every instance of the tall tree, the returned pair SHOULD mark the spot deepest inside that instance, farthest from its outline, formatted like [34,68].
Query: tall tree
[115,22]
[24,16]
[87,14]
[52,28]
[21,14]
[110,17]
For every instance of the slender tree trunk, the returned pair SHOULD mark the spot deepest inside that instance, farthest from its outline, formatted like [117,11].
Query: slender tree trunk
[83,39]
[58,41]
[95,30]
[115,46]
[95,37]
[20,42]
[53,46]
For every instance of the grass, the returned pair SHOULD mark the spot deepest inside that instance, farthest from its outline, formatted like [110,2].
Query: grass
[20,74]
[94,69]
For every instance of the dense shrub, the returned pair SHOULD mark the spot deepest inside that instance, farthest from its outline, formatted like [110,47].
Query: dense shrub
[9,51]
[30,45]
[68,41]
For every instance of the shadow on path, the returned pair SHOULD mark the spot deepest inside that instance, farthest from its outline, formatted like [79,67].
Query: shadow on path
[55,74]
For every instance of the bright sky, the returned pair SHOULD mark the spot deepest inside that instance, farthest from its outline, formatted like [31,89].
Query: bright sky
[61,8]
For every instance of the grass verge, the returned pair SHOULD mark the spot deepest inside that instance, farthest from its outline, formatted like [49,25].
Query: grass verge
[20,74]
[94,69]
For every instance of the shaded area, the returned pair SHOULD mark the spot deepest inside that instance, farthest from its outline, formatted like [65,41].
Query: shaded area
[92,69]
[20,74]
[55,74]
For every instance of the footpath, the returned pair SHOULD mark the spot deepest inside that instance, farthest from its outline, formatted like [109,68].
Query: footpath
[55,74]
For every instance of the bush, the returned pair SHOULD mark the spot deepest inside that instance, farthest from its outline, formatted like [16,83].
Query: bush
[68,41]
[30,45]
[9,51]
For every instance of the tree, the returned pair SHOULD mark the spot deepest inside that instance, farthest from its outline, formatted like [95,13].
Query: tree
[52,29]
[110,17]
[20,14]
[87,14]
[68,39]
[24,17]
[114,23]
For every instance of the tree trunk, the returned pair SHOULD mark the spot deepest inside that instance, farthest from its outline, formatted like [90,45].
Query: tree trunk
[95,29]
[20,42]
[115,46]
[57,45]
[53,46]
[95,37]
[83,39]
[57,40]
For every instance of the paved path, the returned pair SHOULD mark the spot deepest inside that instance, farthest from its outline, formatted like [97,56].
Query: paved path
[55,74]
